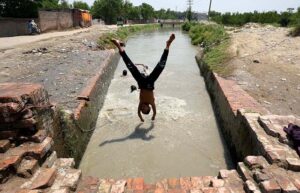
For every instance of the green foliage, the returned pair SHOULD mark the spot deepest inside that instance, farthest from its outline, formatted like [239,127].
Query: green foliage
[19,8]
[108,10]
[64,4]
[295,31]
[122,34]
[147,11]
[283,19]
[215,41]
[80,5]
[50,4]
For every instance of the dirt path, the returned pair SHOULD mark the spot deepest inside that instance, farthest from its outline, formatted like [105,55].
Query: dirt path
[274,78]
[61,61]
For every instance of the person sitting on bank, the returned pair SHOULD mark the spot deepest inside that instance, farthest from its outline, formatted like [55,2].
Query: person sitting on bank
[145,82]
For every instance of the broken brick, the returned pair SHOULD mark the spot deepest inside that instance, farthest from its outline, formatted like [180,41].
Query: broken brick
[118,187]
[270,186]
[88,185]
[44,179]
[27,168]
[4,145]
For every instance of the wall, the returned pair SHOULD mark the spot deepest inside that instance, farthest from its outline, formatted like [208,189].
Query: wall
[13,26]
[74,128]
[55,19]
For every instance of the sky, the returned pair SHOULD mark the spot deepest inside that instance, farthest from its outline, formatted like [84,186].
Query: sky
[219,5]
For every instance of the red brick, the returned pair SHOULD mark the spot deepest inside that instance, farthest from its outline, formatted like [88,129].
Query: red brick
[118,187]
[173,183]
[176,191]
[27,168]
[10,161]
[129,183]
[256,162]
[40,150]
[150,188]
[293,164]
[9,134]
[138,184]
[68,178]
[17,92]
[185,183]
[250,187]
[197,183]
[4,145]
[209,190]
[228,190]
[217,183]
[160,190]
[44,179]
[286,185]
[20,124]
[104,187]
[88,185]
[270,186]
[9,109]
[244,171]
[207,180]
[40,136]
[162,184]
[29,191]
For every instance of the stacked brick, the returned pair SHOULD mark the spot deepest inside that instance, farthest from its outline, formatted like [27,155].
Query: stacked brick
[19,107]
[254,175]
[28,163]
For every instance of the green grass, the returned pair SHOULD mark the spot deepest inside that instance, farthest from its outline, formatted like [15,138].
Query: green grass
[122,34]
[215,41]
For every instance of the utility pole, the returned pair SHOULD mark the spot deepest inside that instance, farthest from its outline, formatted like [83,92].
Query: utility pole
[209,9]
[189,11]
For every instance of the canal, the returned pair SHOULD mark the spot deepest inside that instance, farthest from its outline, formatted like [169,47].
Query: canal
[184,140]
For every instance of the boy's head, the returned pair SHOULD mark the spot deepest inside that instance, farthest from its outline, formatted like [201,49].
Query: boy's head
[145,108]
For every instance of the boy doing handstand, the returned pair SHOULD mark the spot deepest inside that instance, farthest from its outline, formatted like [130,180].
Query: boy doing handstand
[146,82]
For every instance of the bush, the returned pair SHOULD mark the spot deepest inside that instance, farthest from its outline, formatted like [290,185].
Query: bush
[122,34]
[215,41]
[295,31]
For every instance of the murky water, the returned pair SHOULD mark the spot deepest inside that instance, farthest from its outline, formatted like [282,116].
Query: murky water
[183,141]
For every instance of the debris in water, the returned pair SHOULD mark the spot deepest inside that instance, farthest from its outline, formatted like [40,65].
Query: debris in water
[133,88]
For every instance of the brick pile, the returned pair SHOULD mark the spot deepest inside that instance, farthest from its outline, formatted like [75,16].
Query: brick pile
[27,160]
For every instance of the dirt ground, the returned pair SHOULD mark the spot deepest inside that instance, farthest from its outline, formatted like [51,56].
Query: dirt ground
[62,62]
[267,63]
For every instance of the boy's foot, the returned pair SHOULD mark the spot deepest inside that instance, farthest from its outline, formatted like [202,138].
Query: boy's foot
[171,39]
[118,43]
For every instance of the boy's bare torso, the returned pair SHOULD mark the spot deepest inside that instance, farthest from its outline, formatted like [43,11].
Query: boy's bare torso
[146,96]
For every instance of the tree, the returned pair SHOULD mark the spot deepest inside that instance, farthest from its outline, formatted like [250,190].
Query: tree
[64,4]
[50,4]
[147,11]
[20,8]
[108,10]
[80,5]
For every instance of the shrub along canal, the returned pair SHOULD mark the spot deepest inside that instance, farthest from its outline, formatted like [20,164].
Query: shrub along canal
[184,140]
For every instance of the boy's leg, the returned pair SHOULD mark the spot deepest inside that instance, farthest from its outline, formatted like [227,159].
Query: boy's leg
[160,66]
[131,67]
[162,63]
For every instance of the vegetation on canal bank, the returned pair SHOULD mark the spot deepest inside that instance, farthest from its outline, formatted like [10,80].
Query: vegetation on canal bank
[122,34]
[215,41]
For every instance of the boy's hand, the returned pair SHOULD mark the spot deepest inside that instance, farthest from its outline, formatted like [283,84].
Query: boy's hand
[153,118]
[142,120]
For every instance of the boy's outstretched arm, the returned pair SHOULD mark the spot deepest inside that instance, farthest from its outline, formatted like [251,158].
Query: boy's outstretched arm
[154,111]
[139,113]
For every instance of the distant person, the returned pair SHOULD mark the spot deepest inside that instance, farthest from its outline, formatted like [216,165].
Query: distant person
[33,28]
[145,82]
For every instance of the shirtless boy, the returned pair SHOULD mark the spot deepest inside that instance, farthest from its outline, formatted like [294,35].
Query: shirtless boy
[146,82]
